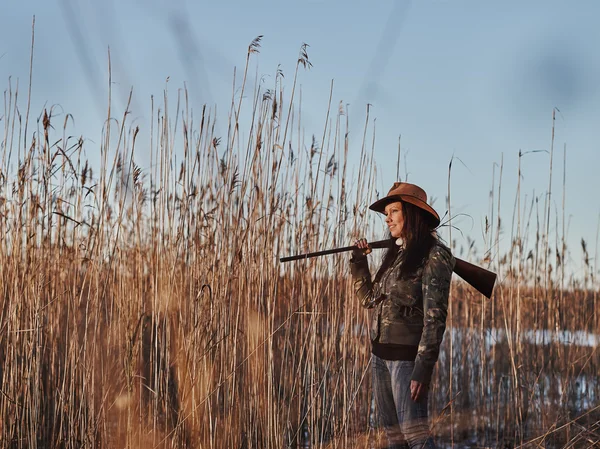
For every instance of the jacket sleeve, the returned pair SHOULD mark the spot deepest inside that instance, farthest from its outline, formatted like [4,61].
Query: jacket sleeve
[437,274]
[363,285]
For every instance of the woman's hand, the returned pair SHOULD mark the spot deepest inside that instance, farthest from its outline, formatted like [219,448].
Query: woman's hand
[362,249]
[417,389]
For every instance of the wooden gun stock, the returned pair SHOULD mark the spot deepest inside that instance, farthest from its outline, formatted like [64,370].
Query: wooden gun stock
[480,278]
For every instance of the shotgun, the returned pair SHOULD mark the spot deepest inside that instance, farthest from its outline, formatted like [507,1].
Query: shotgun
[479,278]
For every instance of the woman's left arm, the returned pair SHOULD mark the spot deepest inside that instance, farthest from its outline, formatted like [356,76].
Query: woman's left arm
[437,274]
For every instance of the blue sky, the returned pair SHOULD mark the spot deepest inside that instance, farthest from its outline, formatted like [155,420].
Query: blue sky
[477,80]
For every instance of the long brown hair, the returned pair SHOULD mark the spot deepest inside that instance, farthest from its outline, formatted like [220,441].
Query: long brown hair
[418,237]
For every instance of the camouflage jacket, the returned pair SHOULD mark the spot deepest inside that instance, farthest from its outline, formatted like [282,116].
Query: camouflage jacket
[410,309]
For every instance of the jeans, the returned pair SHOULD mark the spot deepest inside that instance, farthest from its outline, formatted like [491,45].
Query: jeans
[404,420]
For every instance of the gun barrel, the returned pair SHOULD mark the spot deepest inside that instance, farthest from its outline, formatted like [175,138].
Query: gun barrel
[378,244]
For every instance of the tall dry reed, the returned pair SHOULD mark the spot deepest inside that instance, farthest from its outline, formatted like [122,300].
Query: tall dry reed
[144,306]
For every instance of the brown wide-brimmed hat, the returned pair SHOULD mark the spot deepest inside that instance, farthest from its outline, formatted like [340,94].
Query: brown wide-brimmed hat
[403,191]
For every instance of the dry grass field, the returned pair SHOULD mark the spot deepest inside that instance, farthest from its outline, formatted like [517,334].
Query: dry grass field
[145,307]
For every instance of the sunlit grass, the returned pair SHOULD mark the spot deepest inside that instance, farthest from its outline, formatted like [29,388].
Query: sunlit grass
[145,306]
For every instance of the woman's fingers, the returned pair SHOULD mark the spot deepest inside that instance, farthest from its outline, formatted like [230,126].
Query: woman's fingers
[363,245]
[417,389]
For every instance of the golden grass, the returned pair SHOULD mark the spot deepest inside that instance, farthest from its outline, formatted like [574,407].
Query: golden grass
[145,306]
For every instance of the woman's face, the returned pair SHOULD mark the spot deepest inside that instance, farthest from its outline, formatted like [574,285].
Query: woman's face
[394,218]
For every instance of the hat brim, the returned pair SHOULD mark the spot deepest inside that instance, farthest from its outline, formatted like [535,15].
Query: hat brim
[379,206]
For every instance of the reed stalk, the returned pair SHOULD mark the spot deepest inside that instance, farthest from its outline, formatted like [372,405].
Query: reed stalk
[143,306]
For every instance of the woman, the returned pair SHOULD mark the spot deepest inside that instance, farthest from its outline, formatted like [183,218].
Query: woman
[410,293]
